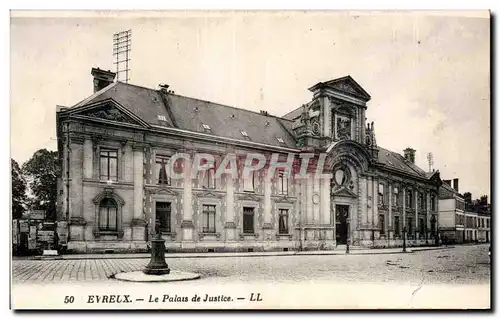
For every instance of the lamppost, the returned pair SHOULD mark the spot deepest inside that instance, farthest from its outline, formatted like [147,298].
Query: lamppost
[404,239]
[426,235]
[157,264]
[348,221]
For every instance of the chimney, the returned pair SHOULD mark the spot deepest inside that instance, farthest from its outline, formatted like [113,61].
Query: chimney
[164,88]
[102,78]
[455,184]
[409,154]
[447,181]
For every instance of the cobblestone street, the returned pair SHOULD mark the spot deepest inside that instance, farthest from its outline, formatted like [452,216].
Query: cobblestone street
[458,265]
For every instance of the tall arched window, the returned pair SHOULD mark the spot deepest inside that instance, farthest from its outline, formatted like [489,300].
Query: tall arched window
[108,215]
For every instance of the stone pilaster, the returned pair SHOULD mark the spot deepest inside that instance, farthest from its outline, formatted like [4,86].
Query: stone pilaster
[309,203]
[316,205]
[138,223]
[77,222]
[187,205]
[138,182]
[416,195]
[267,203]
[404,207]
[363,199]
[427,214]
[230,226]
[88,158]
[326,115]
[369,190]
[375,203]
[390,230]
[325,201]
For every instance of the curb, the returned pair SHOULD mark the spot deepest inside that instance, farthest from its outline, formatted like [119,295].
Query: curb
[208,255]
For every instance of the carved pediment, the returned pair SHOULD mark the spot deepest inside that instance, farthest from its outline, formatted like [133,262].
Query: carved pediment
[285,200]
[209,194]
[344,86]
[349,86]
[344,192]
[109,112]
[249,197]
[163,191]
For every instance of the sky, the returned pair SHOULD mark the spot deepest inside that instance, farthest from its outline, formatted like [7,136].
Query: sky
[428,73]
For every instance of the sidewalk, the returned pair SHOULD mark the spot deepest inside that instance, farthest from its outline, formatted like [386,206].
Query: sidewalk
[355,251]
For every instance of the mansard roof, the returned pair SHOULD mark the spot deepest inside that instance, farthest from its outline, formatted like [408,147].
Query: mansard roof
[396,161]
[196,115]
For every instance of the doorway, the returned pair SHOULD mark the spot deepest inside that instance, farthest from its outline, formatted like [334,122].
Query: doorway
[341,215]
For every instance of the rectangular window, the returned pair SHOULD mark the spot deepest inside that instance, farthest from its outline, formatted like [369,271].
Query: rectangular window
[209,218]
[421,225]
[381,224]
[161,170]
[249,182]
[282,183]
[487,223]
[408,199]
[410,225]
[107,217]
[109,164]
[163,212]
[422,201]
[248,220]
[397,231]
[433,202]
[283,221]
[209,176]
[381,194]
[395,198]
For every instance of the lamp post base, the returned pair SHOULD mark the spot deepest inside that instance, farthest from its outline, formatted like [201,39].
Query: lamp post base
[157,265]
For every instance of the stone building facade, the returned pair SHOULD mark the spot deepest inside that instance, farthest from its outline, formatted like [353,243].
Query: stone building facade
[113,189]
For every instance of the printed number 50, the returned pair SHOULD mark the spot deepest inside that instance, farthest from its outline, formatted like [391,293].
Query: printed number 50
[69,299]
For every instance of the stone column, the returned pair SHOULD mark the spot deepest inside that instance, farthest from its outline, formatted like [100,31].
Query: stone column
[138,223]
[187,207]
[230,225]
[88,158]
[389,221]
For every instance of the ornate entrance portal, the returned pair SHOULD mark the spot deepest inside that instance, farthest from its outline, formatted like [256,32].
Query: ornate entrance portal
[342,213]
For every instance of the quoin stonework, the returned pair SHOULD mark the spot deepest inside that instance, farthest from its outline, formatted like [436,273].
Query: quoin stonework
[312,179]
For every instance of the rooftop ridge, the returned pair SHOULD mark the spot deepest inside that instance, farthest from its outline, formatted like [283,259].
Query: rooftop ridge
[205,101]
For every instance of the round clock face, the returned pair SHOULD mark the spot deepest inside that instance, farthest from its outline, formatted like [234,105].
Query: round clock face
[316,128]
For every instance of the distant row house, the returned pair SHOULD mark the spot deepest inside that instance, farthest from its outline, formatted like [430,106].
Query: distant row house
[462,220]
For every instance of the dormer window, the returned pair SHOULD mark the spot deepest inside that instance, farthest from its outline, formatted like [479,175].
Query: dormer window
[245,135]
[206,128]
[280,140]
[162,118]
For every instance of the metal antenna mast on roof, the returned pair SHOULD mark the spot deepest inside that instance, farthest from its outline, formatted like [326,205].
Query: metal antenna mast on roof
[430,159]
[121,54]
